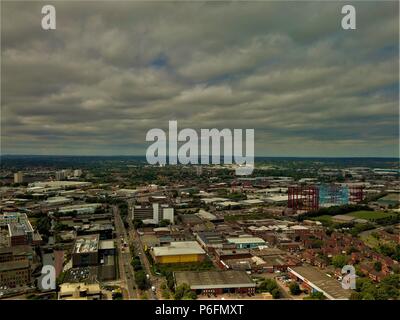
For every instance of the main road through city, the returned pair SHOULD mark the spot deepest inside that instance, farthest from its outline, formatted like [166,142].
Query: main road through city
[124,259]
[130,236]
[138,246]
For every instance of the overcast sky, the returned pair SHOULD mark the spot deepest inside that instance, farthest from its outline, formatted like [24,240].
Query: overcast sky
[112,71]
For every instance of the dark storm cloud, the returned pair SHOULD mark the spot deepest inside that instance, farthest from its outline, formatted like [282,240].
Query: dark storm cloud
[113,70]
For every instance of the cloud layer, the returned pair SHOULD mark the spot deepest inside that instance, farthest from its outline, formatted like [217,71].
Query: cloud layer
[113,70]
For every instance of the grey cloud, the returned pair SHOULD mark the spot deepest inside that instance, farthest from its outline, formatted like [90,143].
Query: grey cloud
[112,71]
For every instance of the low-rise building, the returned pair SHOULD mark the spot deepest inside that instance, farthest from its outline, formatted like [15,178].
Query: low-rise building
[216,282]
[314,280]
[179,252]
[80,291]
[210,239]
[84,208]
[247,242]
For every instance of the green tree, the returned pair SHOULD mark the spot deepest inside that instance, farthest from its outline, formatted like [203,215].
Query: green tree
[141,280]
[339,261]
[368,296]
[355,296]
[165,294]
[378,266]
[315,296]
[183,292]
[268,285]
[137,224]
[276,294]
[316,244]
[164,223]
[43,225]
[294,288]
[190,295]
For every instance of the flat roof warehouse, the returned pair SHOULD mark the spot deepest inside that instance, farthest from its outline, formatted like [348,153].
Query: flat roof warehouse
[318,280]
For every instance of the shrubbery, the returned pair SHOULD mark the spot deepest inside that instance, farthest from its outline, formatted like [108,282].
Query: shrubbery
[387,289]
[270,285]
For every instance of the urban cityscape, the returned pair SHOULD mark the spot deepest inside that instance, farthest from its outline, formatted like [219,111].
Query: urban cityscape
[118,228]
[84,213]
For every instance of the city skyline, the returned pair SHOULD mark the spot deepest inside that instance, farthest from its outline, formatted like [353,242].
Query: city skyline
[108,74]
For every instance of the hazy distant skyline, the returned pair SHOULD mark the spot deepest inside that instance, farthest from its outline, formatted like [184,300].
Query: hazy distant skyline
[113,70]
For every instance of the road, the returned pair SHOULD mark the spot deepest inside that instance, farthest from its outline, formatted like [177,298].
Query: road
[124,259]
[138,246]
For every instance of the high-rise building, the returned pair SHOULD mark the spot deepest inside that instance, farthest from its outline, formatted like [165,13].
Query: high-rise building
[77,173]
[18,177]
[154,213]
[60,175]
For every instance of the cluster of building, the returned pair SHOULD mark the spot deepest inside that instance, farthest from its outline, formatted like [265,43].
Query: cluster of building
[19,230]
[82,231]
[239,226]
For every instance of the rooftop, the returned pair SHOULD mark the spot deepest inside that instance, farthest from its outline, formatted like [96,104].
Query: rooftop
[206,215]
[14,265]
[245,240]
[330,287]
[17,250]
[211,200]
[71,289]
[85,244]
[106,244]
[78,207]
[229,204]
[252,201]
[178,248]
[58,184]
[277,198]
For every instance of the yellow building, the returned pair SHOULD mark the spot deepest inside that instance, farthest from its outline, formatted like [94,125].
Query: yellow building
[179,252]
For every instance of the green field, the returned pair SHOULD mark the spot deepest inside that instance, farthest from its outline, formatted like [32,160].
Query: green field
[369,215]
[391,197]
[363,214]
[370,241]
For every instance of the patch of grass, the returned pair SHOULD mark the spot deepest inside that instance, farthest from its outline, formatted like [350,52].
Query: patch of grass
[369,215]
[324,218]
[370,241]
[391,197]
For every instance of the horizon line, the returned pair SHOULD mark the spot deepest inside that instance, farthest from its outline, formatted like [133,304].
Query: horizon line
[143,155]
